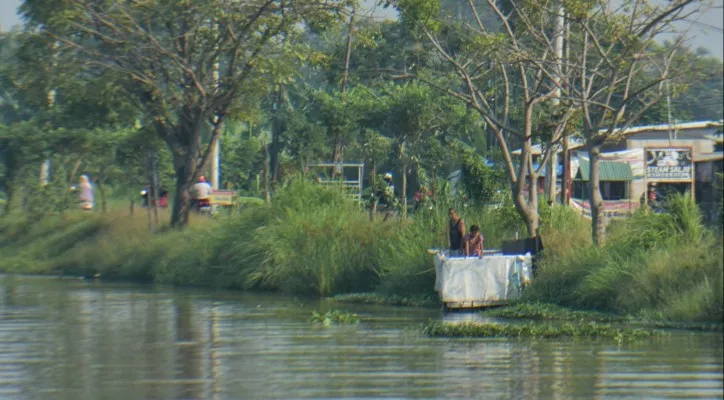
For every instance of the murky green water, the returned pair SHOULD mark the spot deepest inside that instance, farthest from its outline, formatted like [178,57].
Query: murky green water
[85,340]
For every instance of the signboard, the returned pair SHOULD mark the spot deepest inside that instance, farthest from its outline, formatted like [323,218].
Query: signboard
[669,164]
[613,209]
[223,197]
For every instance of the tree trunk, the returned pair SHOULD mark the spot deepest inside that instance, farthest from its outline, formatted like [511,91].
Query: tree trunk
[403,192]
[566,172]
[184,164]
[154,185]
[275,148]
[527,207]
[338,150]
[373,179]
[433,184]
[267,194]
[10,182]
[11,193]
[598,218]
[102,189]
[551,178]
[533,221]
[530,216]
[373,175]
[74,171]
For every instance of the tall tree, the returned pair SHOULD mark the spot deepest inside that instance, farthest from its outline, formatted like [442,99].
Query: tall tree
[473,55]
[165,52]
[617,72]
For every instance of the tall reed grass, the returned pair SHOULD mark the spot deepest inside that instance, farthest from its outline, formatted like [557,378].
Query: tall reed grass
[665,266]
[313,240]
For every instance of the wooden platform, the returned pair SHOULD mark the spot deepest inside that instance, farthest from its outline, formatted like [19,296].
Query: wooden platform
[474,304]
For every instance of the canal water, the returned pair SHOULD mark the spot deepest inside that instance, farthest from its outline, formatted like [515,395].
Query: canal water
[74,339]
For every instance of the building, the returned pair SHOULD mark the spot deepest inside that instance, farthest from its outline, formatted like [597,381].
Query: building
[700,137]
[709,184]
[668,155]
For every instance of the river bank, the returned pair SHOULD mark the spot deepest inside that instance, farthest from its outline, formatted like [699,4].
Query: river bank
[312,241]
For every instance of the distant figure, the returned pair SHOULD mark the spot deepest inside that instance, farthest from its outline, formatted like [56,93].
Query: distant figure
[651,197]
[162,198]
[474,242]
[386,198]
[200,194]
[423,198]
[457,232]
[85,193]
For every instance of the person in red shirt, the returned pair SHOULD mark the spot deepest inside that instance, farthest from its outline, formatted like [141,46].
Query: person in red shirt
[474,242]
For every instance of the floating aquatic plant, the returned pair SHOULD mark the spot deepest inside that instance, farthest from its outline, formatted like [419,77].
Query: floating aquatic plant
[536,330]
[333,317]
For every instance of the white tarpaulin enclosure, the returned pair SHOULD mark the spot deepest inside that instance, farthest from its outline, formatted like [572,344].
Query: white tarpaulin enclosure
[494,279]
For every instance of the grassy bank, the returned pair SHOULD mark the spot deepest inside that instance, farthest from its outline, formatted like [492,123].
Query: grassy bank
[312,240]
[662,267]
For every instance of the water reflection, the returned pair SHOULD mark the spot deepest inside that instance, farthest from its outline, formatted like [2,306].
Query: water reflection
[85,340]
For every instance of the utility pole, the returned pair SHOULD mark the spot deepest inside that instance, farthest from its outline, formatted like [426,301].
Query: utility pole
[216,144]
[45,166]
[338,150]
[552,168]
[565,189]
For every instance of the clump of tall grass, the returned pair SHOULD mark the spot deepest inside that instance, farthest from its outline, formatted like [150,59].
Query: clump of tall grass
[668,265]
[313,240]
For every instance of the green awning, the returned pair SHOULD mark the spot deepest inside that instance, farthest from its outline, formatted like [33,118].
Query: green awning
[611,171]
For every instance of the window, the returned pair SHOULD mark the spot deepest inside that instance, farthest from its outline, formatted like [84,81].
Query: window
[609,190]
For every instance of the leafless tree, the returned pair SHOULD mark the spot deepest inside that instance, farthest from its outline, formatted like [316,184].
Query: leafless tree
[617,72]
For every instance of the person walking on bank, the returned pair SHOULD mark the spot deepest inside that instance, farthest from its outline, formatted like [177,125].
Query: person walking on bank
[85,193]
[456,233]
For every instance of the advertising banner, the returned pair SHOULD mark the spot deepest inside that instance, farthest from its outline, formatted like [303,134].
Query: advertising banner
[223,197]
[669,164]
[615,209]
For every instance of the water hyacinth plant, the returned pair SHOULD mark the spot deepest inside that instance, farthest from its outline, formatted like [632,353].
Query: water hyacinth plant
[334,317]
[591,330]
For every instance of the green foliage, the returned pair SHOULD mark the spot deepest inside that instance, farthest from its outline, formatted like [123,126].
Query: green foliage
[313,240]
[543,311]
[306,141]
[333,317]
[240,156]
[481,181]
[590,330]
[667,264]
[416,300]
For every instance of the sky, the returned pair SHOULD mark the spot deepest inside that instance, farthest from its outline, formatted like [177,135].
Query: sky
[707,32]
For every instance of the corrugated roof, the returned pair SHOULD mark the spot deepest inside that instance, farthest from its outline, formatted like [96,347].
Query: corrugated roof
[611,171]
